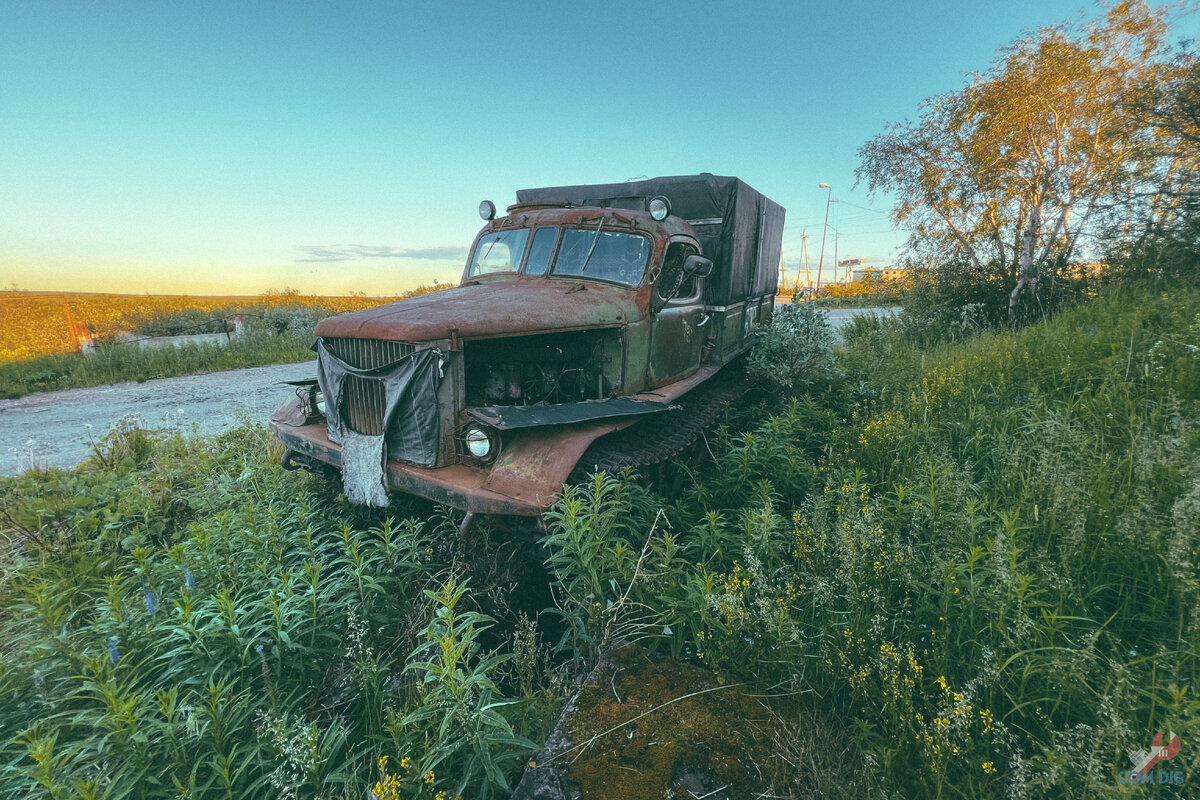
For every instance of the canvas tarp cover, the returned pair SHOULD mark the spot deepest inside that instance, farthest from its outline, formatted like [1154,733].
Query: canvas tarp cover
[740,229]
[410,417]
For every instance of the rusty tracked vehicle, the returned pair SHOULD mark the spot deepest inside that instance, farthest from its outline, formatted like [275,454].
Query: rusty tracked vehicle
[590,330]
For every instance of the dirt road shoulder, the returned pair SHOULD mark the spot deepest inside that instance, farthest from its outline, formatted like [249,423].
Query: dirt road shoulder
[57,429]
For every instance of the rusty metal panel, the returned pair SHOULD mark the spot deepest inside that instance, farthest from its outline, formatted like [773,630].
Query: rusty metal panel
[457,485]
[507,418]
[491,307]
[534,464]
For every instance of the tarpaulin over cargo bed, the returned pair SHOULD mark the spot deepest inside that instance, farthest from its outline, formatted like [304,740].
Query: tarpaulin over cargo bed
[740,229]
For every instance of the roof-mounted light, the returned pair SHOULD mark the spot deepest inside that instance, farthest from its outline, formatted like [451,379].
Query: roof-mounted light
[487,210]
[660,208]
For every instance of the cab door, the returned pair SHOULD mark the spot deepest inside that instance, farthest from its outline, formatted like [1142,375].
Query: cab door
[676,330]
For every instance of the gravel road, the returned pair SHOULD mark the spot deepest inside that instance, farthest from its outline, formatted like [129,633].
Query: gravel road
[56,429]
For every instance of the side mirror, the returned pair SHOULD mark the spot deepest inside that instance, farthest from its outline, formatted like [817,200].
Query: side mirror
[698,266]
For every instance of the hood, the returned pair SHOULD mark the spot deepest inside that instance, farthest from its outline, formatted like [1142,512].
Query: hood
[491,308]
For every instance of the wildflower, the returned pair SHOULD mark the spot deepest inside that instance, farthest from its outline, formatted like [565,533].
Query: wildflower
[113,652]
[942,681]
[428,777]
[151,599]
[989,767]
[188,580]
[406,763]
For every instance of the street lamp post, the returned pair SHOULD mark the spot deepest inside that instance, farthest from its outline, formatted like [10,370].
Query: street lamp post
[824,230]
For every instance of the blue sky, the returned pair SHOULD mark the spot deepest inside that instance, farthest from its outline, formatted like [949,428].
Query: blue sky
[235,147]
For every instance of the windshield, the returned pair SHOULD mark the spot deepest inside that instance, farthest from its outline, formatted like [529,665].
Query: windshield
[604,255]
[499,252]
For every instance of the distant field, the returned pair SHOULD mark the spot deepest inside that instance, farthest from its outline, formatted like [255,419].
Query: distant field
[38,323]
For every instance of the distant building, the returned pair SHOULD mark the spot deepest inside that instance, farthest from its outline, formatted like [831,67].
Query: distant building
[878,273]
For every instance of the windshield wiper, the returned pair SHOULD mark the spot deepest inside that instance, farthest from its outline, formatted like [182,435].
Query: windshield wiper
[592,249]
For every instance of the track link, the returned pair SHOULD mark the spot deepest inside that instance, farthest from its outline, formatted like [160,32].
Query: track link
[662,436]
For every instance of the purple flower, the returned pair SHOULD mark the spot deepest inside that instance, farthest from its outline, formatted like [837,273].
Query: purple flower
[188,580]
[113,652]
[151,599]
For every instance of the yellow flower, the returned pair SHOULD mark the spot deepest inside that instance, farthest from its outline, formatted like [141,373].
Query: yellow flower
[428,777]
[989,767]
[406,762]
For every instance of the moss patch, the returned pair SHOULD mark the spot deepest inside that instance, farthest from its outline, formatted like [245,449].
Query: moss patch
[647,728]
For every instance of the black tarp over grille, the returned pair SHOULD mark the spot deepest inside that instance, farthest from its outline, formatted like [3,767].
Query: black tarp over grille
[410,411]
[740,229]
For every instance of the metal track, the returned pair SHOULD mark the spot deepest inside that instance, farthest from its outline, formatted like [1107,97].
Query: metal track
[663,436]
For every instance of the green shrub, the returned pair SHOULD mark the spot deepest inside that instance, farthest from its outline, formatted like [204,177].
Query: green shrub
[794,349]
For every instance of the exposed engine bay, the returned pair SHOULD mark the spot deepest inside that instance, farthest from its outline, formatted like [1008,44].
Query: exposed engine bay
[547,368]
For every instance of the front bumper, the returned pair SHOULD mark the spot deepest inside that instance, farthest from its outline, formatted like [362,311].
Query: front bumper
[524,480]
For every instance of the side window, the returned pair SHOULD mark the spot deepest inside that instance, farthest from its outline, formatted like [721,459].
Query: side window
[540,250]
[676,254]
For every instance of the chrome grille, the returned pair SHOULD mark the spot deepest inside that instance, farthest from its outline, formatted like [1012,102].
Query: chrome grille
[367,353]
[364,399]
[363,404]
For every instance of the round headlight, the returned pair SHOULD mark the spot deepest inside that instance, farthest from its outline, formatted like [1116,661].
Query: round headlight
[660,208]
[319,401]
[487,210]
[479,443]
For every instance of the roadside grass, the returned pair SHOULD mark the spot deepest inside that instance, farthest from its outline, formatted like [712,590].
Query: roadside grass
[35,342]
[974,552]
[981,555]
[118,363]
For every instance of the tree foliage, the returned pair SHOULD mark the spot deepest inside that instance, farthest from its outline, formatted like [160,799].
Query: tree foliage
[1012,175]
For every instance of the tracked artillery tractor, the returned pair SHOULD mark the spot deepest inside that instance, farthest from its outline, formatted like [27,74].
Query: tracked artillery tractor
[594,327]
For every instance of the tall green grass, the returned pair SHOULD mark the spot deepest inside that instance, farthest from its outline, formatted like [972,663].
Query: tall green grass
[978,549]
[187,619]
[983,553]
[115,363]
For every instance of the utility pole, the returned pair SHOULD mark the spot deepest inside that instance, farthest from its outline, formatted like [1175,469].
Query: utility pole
[835,260]
[807,270]
[824,230]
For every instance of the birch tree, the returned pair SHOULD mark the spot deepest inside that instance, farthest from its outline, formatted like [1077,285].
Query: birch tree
[1009,174]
